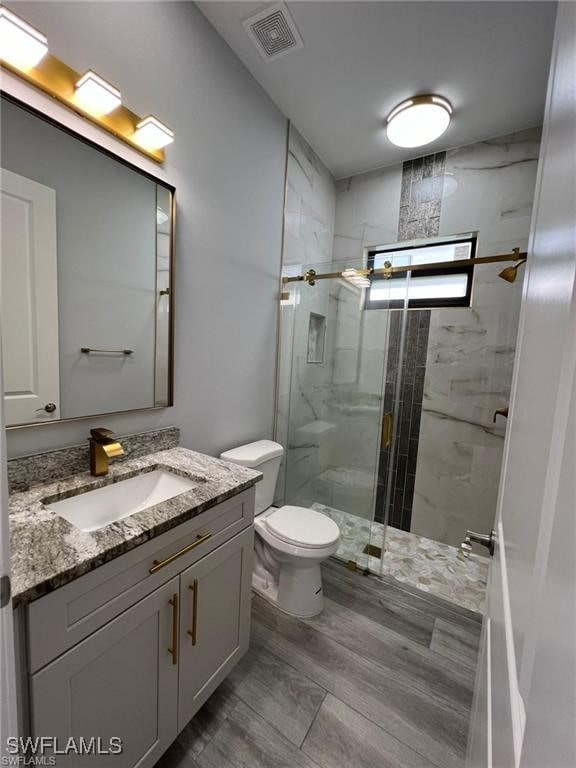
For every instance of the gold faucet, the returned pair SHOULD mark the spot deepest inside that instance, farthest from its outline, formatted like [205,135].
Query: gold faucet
[102,448]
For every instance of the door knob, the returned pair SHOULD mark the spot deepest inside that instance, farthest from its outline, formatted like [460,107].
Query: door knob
[487,540]
[49,408]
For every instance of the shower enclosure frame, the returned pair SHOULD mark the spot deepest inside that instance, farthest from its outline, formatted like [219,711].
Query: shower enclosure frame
[310,277]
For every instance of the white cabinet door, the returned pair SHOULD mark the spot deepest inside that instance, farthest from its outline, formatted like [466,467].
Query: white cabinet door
[122,681]
[215,620]
[29,300]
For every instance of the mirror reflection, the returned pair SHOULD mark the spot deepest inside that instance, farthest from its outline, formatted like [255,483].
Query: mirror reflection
[85,279]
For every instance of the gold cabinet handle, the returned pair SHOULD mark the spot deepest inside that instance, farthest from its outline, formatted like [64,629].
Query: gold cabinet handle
[161,563]
[175,621]
[194,588]
[386,431]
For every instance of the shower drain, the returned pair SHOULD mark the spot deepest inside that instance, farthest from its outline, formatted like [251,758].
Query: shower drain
[372,550]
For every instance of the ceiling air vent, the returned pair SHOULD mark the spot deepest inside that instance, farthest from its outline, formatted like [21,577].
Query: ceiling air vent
[273,32]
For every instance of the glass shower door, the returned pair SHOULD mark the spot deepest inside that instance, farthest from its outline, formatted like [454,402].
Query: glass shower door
[338,409]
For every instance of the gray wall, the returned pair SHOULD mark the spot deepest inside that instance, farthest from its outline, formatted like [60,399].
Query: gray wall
[227,164]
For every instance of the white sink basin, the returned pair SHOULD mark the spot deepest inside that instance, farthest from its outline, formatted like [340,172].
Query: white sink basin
[95,509]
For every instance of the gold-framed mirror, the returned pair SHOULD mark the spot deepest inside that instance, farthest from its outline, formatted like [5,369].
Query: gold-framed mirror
[86,277]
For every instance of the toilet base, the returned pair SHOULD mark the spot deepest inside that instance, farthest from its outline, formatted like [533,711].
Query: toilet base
[298,592]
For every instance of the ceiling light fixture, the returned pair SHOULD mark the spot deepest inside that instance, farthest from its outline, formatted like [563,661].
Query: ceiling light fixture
[21,45]
[152,134]
[418,121]
[95,95]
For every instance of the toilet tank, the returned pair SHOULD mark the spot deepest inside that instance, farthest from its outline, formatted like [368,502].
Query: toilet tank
[264,456]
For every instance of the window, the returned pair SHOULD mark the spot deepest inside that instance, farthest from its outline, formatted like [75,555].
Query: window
[427,289]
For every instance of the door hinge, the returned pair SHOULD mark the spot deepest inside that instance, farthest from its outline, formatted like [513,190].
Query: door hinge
[5,591]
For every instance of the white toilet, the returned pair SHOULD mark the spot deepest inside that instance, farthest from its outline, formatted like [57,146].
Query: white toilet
[290,543]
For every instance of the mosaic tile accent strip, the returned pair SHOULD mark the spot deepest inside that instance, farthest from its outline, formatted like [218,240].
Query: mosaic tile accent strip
[27,471]
[431,566]
[420,206]
[421,196]
[410,413]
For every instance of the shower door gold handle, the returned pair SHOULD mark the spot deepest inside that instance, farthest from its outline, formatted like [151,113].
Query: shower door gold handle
[386,437]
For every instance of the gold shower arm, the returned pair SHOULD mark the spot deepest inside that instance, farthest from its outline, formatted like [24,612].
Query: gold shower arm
[311,276]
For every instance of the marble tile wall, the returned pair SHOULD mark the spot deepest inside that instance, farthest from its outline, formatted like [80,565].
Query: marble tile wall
[488,187]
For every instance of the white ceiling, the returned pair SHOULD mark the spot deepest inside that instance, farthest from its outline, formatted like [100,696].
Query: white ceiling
[490,59]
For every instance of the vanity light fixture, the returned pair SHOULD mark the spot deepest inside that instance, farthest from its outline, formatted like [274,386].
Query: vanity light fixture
[24,53]
[418,121]
[95,95]
[152,134]
[21,45]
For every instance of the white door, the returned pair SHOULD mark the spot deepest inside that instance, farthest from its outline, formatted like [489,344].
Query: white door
[29,296]
[525,699]
[7,664]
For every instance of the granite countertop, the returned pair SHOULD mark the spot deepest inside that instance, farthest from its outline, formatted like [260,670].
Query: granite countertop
[48,551]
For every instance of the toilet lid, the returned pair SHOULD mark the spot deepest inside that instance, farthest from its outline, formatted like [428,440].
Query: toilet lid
[302,526]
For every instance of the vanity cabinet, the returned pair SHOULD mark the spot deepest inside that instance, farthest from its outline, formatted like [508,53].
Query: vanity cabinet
[143,674]
[119,682]
[215,628]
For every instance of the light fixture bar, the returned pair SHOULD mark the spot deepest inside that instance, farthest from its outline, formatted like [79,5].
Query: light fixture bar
[58,80]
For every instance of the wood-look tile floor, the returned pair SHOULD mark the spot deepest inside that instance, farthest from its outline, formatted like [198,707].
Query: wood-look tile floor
[383,678]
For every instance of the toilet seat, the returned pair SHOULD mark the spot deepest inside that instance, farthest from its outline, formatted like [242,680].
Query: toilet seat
[302,527]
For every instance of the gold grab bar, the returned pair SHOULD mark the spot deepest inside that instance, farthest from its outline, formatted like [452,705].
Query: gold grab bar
[194,588]
[175,621]
[161,563]
[386,437]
